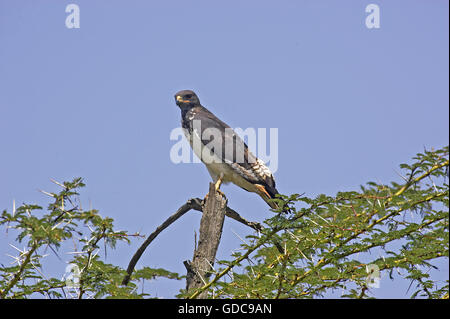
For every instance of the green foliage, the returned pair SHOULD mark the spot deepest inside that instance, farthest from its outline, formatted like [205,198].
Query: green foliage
[331,243]
[64,220]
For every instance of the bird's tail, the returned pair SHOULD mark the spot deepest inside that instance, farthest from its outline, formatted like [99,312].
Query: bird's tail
[267,193]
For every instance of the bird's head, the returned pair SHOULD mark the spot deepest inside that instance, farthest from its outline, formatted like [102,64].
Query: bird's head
[186,99]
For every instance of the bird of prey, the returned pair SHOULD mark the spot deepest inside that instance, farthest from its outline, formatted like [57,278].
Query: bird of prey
[225,155]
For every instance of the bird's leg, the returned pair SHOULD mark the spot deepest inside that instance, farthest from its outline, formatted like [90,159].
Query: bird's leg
[218,183]
[216,188]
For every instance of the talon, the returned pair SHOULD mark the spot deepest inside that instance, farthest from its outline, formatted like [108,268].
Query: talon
[220,192]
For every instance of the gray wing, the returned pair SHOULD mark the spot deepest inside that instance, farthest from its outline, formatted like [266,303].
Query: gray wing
[226,145]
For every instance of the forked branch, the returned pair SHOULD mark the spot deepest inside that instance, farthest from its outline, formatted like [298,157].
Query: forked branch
[191,204]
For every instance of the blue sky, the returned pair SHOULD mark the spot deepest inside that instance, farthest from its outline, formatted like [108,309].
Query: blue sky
[350,104]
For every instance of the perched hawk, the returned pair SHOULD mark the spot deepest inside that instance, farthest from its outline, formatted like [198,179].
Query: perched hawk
[225,155]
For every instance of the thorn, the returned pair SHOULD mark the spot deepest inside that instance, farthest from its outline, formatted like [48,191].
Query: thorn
[46,193]
[57,183]
[21,252]
[239,237]
[404,178]
[210,265]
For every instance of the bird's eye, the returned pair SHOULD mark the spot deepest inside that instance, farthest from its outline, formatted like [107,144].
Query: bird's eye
[188,96]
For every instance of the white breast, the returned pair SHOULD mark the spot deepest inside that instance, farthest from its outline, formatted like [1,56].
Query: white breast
[200,150]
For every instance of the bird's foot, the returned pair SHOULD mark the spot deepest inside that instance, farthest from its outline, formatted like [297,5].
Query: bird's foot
[207,195]
[205,199]
[217,189]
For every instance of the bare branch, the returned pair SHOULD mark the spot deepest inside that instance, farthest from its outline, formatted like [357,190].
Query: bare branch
[195,204]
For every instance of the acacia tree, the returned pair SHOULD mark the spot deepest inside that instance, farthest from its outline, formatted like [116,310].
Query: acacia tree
[327,243]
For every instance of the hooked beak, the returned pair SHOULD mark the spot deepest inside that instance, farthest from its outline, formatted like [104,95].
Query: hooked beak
[180,100]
